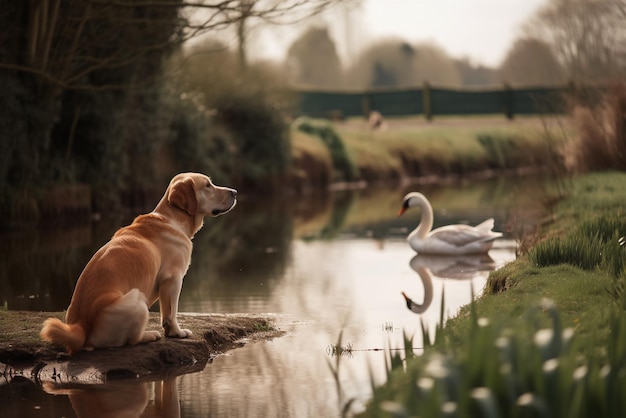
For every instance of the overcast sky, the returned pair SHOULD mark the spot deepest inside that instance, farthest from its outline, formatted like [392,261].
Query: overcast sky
[482,30]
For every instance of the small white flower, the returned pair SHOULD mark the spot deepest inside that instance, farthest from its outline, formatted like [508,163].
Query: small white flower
[426,383]
[525,399]
[449,407]
[503,342]
[580,373]
[436,368]
[550,365]
[543,337]
[481,393]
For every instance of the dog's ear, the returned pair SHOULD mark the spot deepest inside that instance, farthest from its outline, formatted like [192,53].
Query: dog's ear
[183,196]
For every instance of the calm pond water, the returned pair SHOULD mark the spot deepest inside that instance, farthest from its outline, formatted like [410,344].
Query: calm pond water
[322,266]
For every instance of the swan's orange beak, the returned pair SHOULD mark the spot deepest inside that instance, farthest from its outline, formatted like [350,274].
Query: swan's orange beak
[401,211]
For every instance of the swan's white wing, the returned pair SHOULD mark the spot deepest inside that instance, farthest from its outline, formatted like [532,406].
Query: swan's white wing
[485,226]
[461,235]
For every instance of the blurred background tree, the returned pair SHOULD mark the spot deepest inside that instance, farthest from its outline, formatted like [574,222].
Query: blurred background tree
[396,63]
[434,65]
[475,74]
[313,60]
[531,62]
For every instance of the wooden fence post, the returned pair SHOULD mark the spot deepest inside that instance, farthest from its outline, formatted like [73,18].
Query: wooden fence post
[426,102]
[509,101]
[365,105]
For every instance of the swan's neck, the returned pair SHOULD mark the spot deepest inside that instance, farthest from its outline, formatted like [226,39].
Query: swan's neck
[426,222]
[427,281]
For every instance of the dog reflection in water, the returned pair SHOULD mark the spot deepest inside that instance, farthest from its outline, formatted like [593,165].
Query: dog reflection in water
[124,399]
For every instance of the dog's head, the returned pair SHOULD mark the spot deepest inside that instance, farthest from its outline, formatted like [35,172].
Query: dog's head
[195,194]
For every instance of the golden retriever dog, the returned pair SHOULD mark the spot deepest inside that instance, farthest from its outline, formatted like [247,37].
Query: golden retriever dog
[143,262]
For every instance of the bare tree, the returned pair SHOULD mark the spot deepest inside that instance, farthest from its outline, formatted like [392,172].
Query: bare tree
[588,36]
[248,14]
[66,40]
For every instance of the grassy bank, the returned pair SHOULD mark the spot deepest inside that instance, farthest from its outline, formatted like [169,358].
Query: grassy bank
[413,147]
[548,337]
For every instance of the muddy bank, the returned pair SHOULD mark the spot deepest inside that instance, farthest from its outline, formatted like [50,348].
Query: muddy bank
[23,354]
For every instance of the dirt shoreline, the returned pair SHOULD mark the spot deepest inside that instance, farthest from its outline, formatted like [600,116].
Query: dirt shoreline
[23,354]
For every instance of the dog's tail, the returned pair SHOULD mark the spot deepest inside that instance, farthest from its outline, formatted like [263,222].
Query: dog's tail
[72,336]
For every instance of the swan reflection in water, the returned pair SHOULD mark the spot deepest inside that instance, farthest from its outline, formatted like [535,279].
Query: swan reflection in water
[461,267]
[121,399]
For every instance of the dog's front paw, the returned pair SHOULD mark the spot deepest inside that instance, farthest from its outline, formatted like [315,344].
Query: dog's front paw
[181,333]
[172,330]
[184,333]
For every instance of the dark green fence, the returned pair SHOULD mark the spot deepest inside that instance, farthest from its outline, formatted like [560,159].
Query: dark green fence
[431,101]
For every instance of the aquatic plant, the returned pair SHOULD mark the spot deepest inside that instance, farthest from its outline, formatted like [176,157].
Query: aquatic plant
[337,350]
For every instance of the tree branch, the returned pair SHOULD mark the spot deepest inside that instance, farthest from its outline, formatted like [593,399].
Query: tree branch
[70,39]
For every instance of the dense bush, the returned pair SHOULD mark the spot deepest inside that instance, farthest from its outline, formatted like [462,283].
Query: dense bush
[110,140]
[247,112]
[343,166]
[260,142]
[191,147]
[21,154]
[90,112]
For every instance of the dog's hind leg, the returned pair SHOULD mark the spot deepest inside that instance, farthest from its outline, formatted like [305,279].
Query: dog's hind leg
[123,322]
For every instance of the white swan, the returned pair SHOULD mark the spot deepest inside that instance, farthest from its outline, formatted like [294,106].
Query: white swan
[450,239]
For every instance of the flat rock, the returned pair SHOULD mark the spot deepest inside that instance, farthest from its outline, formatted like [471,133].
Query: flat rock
[22,353]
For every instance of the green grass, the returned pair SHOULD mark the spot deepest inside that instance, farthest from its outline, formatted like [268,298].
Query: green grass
[596,243]
[374,160]
[413,148]
[410,148]
[303,143]
[547,339]
[415,152]
[530,370]
[582,298]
